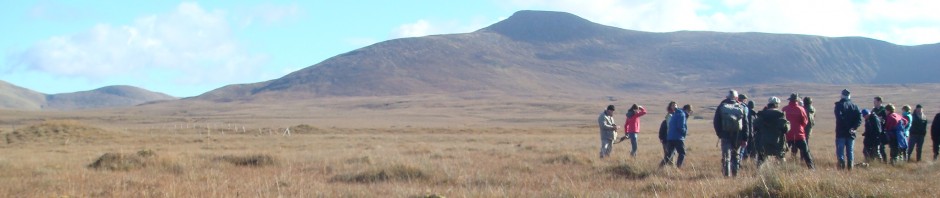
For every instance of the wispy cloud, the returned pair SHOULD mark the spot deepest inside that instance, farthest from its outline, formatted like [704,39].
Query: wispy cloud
[49,10]
[424,27]
[416,29]
[195,44]
[269,13]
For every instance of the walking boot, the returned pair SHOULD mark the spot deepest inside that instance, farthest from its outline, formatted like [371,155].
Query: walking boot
[850,165]
[841,165]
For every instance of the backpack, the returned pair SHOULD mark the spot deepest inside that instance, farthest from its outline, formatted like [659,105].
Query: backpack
[731,119]
[902,140]
[663,130]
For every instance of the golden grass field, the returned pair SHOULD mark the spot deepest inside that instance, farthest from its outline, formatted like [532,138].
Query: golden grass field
[421,146]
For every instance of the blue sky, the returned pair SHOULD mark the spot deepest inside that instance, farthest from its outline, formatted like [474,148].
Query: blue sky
[185,48]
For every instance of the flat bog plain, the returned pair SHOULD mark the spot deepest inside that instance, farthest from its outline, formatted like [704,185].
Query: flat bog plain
[459,145]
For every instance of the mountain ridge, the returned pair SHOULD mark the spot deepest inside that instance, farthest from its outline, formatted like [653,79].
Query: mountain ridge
[535,52]
[15,97]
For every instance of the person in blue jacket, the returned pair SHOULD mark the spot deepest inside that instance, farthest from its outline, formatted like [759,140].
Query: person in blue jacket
[675,137]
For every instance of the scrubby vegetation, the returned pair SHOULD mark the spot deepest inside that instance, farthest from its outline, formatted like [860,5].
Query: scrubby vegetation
[57,131]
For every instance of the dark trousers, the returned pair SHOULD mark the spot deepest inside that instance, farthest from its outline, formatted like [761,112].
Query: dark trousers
[895,150]
[916,144]
[872,148]
[674,146]
[885,156]
[800,145]
[761,157]
[936,147]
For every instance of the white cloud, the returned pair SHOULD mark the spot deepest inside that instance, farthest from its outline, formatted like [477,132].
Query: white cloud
[191,43]
[902,21]
[269,13]
[424,27]
[55,11]
[417,29]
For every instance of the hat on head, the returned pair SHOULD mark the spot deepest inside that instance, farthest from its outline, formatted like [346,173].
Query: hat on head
[773,100]
[845,92]
[865,112]
[742,96]
[610,107]
[794,96]
[732,93]
[919,106]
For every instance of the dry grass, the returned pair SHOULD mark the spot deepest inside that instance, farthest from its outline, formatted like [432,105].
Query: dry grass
[469,149]
[490,163]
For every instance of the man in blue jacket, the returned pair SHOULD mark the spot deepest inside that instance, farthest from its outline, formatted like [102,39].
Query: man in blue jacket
[848,119]
[675,135]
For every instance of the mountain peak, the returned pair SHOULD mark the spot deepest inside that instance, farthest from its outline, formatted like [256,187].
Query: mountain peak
[547,26]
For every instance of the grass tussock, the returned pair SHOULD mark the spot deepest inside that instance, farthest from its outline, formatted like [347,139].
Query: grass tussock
[56,131]
[305,129]
[657,187]
[627,171]
[124,161]
[428,196]
[256,160]
[395,172]
[781,180]
[359,160]
[569,159]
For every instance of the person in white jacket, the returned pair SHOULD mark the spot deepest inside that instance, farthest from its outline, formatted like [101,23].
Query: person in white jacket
[608,128]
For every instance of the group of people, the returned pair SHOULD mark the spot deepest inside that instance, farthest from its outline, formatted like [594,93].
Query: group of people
[744,132]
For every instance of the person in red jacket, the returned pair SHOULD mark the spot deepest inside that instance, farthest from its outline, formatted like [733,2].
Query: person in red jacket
[796,137]
[632,126]
[892,120]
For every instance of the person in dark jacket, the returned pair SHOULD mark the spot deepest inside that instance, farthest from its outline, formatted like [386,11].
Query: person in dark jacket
[918,132]
[664,127]
[678,130]
[873,137]
[879,110]
[935,135]
[749,150]
[730,142]
[770,137]
[848,119]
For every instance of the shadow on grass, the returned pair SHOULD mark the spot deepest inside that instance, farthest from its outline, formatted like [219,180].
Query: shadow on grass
[627,171]
[569,159]
[257,160]
[395,172]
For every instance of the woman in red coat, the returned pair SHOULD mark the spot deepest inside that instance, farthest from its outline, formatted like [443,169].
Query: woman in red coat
[632,126]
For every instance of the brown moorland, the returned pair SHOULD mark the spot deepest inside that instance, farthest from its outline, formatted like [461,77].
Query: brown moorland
[458,145]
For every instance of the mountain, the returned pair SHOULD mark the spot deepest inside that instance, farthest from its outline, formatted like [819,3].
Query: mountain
[110,96]
[14,97]
[537,52]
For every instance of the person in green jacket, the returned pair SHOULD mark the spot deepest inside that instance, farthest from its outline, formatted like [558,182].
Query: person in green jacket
[811,115]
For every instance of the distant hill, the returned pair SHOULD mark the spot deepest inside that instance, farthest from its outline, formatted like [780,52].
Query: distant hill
[14,97]
[110,96]
[537,52]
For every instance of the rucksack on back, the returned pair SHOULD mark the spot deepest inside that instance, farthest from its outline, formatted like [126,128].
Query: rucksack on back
[731,119]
